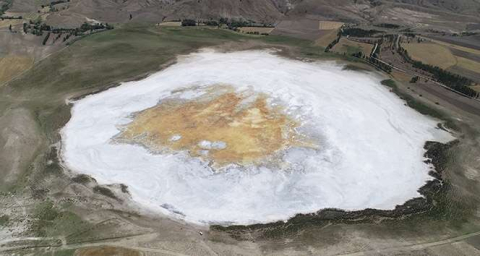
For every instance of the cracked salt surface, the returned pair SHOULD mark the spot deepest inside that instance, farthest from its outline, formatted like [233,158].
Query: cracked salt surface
[370,155]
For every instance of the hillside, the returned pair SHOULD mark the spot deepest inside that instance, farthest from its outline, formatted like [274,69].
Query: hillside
[421,13]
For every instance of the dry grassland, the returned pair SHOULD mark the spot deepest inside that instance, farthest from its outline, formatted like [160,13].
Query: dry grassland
[329,25]
[431,53]
[11,66]
[6,23]
[401,76]
[171,24]
[438,54]
[468,64]
[454,46]
[327,38]
[476,87]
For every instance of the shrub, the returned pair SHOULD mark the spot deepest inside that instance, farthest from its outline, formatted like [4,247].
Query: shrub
[189,23]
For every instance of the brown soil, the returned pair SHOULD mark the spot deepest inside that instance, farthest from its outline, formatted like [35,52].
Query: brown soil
[244,128]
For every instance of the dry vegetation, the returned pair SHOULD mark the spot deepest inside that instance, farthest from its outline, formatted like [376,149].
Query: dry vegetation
[7,23]
[468,64]
[329,25]
[455,46]
[438,53]
[327,38]
[430,53]
[11,66]
[476,88]
[170,24]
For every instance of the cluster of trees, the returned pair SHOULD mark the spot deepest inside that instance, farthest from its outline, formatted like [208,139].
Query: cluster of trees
[56,2]
[38,28]
[212,23]
[359,55]
[410,34]
[374,3]
[257,33]
[414,79]
[468,33]
[373,58]
[358,32]
[11,17]
[51,5]
[5,6]
[46,38]
[453,81]
[232,24]
[92,27]
[188,23]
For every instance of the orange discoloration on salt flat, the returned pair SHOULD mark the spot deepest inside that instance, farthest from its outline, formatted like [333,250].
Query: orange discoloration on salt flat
[224,128]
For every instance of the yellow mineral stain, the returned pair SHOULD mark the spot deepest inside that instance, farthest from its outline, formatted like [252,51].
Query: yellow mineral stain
[249,130]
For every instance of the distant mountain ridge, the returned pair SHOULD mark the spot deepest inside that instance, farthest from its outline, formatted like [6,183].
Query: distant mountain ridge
[261,11]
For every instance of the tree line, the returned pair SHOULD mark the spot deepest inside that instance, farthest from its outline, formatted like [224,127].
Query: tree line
[232,24]
[358,32]
[453,81]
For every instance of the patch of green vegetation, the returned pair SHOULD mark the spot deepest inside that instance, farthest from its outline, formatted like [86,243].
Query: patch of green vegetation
[4,220]
[105,191]
[349,49]
[419,106]
[5,5]
[53,166]
[68,252]
[68,224]
[82,179]
[355,68]
[51,221]
[44,215]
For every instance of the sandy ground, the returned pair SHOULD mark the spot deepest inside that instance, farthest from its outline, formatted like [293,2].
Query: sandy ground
[18,140]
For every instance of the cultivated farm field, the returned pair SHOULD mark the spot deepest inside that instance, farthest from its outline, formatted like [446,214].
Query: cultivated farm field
[457,59]
[350,47]
[431,53]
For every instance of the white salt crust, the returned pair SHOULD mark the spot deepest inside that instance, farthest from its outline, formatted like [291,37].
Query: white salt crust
[370,144]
